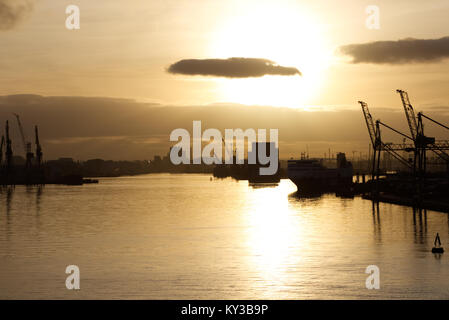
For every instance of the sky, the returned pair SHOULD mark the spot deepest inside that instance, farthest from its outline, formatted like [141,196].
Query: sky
[207,55]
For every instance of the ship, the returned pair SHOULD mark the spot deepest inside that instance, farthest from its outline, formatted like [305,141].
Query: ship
[314,176]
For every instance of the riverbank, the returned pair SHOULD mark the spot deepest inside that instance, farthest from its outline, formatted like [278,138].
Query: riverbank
[410,202]
[433,194]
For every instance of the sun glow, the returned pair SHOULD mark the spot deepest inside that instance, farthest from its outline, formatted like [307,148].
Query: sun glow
[281,33]
[273,233]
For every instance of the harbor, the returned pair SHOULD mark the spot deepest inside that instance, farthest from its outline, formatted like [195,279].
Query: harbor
[410,184]
[231,241]
[412,173]
[413,184]
[31,169]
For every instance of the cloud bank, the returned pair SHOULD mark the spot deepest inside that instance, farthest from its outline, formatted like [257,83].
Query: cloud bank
[13,11]
[231,68]
[119,129]
[399,52]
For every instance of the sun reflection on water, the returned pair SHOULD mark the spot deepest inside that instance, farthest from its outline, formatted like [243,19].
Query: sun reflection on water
[273,232]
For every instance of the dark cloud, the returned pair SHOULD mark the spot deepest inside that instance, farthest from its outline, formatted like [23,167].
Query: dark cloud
[13,11]
[231,68]
[121,129]
[399,52]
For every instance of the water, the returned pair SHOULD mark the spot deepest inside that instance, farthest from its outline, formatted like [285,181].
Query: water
[187,237]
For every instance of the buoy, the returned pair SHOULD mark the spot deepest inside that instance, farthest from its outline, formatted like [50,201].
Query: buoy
[437,244]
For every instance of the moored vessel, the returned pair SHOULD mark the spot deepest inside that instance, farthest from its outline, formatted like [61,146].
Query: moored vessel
[313,176]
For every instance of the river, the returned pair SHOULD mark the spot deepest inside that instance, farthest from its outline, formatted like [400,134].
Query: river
[174,236]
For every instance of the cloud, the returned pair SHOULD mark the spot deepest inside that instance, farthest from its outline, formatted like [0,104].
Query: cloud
[120,129]
[13,11]
[403,51]
[231,68]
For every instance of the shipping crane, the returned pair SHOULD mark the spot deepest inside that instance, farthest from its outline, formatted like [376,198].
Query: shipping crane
[421,141]
[38,148]
[439,146]
[2,143]
[26,145]
[409,113]
[417,132]
[379,146]
[374,135]
[8,153]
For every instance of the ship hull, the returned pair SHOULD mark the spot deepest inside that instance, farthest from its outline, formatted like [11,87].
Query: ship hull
[314,185]
[310,176]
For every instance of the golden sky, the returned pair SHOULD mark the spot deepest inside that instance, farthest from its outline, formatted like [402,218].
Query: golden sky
[124,48]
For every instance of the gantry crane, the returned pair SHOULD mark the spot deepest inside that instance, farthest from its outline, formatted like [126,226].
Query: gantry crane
[8,153]
[438,146]
[2,143]
[421,141]
[38,148]
[379,146]
[26,145]
[374,135]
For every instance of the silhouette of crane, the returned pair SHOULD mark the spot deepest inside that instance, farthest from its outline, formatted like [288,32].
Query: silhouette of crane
[379,146]
[421,141]
[26,145]
[8,153]
[2,143]
[38,148]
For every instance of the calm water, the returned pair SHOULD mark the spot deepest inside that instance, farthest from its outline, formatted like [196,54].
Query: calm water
[186,237]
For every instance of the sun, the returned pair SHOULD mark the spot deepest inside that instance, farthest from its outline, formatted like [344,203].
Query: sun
[285,34]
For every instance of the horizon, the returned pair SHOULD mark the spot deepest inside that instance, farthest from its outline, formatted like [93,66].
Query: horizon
[83,132]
